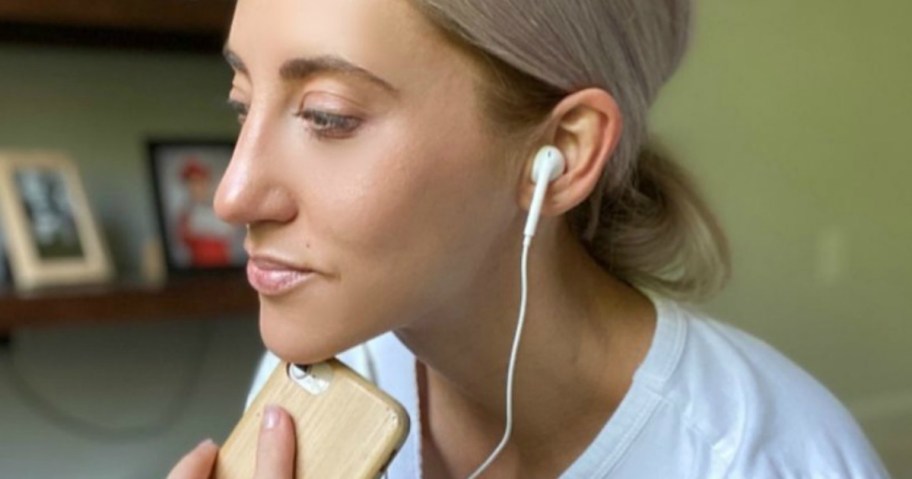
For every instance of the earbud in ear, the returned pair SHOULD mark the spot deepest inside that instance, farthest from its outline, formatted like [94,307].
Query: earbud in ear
[547,167]
[548,161]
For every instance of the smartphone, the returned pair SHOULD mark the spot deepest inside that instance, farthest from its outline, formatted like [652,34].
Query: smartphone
[346,427]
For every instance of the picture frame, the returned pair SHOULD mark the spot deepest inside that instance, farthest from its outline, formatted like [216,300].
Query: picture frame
[51,234]
[185,174]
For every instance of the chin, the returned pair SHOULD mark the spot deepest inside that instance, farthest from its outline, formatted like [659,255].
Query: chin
[296,341]
[296,348]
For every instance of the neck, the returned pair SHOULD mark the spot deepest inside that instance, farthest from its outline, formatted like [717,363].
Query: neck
[585,334]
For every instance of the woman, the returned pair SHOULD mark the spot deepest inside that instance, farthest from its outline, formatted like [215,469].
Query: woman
[383,172]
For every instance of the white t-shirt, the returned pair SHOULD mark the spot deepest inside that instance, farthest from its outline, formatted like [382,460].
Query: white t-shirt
[709,401]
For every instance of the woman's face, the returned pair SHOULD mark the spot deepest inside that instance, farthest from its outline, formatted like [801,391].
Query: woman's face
[363,157]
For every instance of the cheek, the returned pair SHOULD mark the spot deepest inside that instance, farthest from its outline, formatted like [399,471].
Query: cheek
[405,227]
[407,208]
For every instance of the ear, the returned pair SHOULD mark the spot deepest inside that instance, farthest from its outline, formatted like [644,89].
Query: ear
[586,126]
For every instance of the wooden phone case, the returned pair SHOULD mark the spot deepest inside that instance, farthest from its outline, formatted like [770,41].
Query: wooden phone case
[350,430]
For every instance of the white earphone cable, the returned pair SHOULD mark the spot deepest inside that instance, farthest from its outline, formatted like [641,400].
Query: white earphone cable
[508,429]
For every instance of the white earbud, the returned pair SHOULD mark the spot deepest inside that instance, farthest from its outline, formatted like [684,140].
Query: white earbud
[547,167]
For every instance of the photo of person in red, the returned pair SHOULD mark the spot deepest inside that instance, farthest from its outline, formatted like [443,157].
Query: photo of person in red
[208,239]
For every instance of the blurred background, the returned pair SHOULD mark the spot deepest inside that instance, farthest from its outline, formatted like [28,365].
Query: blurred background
[793,117]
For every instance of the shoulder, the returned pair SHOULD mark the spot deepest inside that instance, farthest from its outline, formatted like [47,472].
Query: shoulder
[758,412]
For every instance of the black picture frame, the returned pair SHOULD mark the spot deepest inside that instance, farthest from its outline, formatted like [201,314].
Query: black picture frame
[6,276]
[185,173]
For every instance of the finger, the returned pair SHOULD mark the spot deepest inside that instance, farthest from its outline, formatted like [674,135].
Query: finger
[197,464]
[276,447]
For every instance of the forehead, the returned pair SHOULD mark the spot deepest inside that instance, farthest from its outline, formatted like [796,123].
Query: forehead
[387,37]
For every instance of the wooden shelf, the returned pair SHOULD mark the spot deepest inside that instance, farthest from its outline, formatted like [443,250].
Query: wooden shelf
[183,25]
[167,15]
[191,297]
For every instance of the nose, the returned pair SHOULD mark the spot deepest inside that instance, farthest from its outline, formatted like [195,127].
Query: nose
[251,191]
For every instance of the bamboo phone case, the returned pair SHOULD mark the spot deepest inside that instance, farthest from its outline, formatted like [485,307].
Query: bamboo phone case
[346,427]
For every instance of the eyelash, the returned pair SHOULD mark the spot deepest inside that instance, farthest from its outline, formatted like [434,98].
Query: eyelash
[328,125]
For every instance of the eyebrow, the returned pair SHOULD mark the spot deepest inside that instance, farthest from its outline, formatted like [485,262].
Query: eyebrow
[304,68]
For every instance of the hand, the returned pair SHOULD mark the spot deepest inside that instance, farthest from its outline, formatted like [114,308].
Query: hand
[275,451]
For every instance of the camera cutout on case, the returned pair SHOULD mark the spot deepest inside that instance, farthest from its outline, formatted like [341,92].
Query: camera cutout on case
[313,378]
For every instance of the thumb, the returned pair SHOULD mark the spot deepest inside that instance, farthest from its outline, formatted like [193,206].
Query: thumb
[276,447]
[197,464]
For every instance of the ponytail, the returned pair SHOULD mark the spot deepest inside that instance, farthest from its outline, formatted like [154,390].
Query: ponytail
[656,232]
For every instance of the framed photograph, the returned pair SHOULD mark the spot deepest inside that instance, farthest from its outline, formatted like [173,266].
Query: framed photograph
[51,236]
[185,175]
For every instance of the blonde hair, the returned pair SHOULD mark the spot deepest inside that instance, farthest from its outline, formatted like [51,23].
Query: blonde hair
[645,222]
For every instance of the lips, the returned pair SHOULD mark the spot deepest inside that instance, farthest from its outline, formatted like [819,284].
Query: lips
[273,277]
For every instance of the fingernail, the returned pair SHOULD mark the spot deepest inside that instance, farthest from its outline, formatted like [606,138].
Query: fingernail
[271,417]
[206,442]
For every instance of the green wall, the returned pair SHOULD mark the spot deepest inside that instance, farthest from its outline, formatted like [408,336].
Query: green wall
[795,118]
[100,107]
